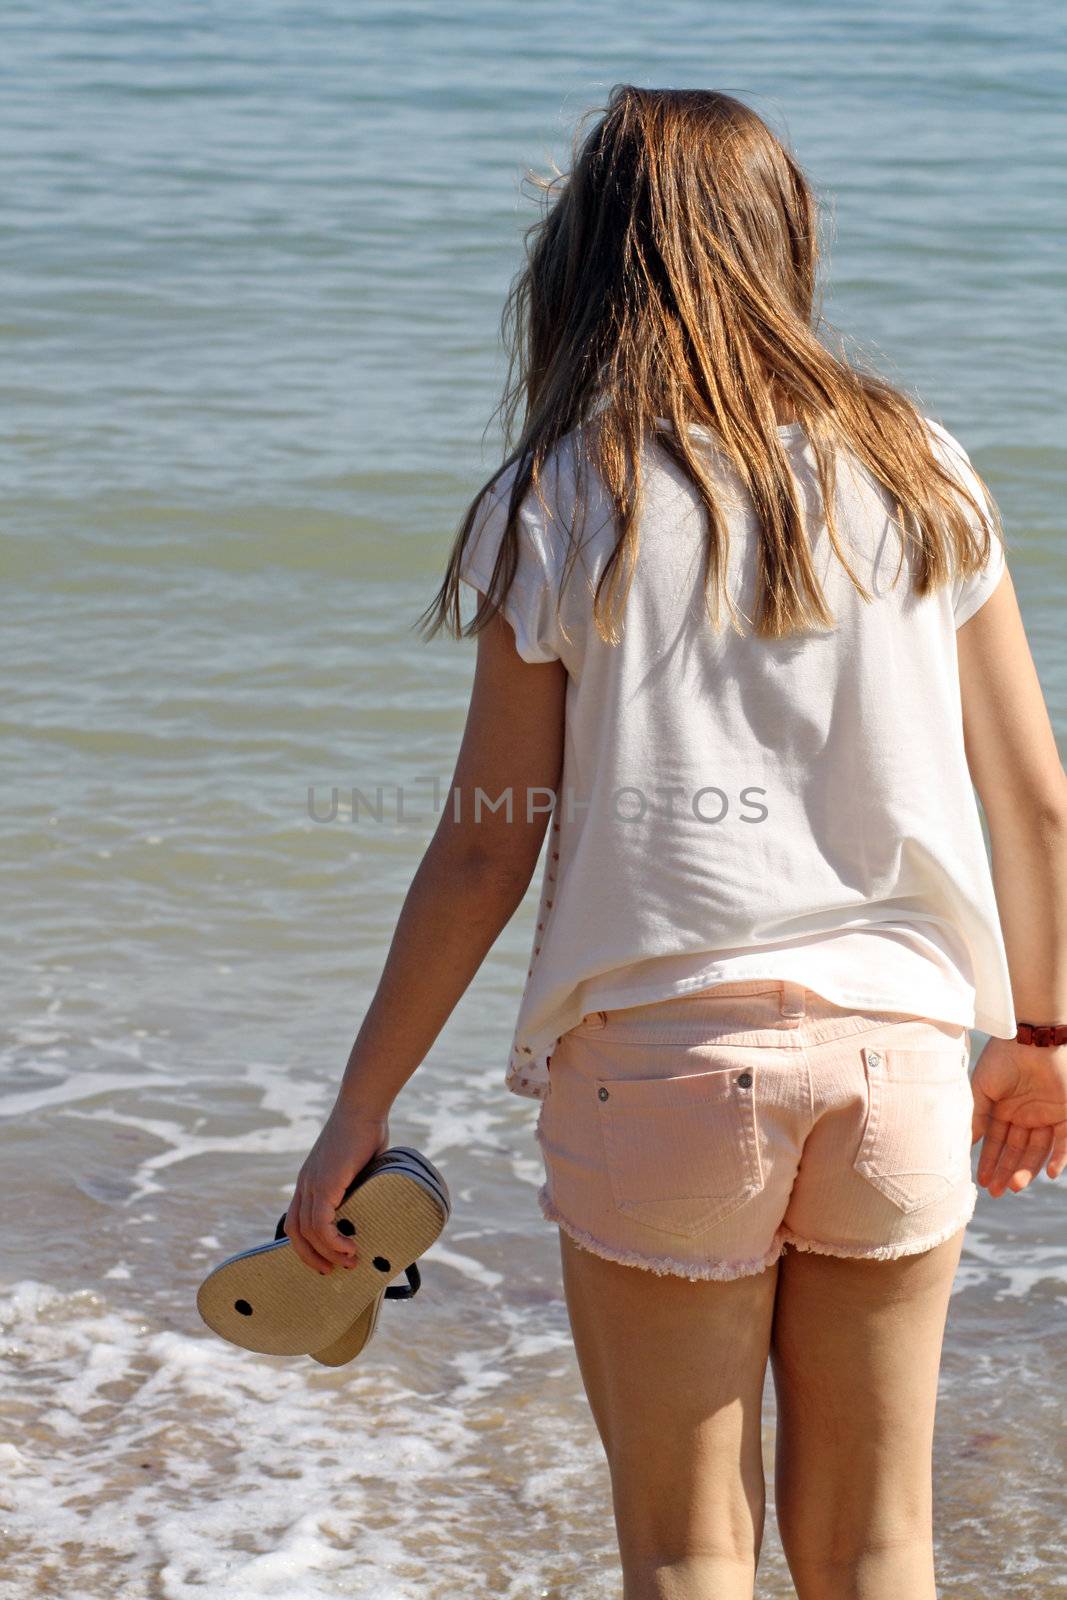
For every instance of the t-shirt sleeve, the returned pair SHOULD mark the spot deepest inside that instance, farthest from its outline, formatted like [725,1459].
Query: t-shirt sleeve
[530,603]
[971,593]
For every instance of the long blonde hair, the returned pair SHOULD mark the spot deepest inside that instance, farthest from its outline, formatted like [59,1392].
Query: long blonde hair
[672,275]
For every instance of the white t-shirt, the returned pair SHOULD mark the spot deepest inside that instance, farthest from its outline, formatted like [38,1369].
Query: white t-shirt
[737,807]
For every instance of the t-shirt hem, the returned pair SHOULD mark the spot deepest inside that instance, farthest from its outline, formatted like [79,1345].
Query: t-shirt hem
[846,995]
[530,1079]
[995,1026]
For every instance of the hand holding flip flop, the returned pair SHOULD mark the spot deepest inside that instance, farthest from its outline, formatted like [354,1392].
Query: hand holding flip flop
[285,1298]
[343,1148]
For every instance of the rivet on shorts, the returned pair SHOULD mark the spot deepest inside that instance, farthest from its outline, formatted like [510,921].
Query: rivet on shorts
[745,1080]
[602,1094]
[873,1058]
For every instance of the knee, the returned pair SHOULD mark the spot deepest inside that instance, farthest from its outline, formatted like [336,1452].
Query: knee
[858,1562]
[692,1576]
[671,1533]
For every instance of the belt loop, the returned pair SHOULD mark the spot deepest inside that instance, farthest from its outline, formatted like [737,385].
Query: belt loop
[791,1002]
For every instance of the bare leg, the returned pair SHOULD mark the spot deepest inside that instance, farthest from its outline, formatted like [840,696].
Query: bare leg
[674,1371]
[856,1350]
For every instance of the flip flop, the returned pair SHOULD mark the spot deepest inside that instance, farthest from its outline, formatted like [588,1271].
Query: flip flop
[349,1345]
[266,1299]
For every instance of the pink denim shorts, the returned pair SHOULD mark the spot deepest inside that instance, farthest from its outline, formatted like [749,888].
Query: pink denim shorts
[702,1134]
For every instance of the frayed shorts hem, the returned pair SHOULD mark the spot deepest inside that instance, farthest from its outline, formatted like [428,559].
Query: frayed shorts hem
[664,1265]
[883,1252]
[724,1270]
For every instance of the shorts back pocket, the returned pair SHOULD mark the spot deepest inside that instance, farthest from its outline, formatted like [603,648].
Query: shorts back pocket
[681,1153]
[916,1145]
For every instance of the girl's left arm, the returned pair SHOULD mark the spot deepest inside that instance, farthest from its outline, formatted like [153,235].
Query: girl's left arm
[472,877]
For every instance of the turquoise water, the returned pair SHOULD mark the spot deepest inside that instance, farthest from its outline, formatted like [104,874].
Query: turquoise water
[253,261]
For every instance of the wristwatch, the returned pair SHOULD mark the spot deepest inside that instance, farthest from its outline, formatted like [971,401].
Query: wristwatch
[1048,1034]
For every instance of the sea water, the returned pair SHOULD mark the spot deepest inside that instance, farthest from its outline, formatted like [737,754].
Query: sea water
[253,260]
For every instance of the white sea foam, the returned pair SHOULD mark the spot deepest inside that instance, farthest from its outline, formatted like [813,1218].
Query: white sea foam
[82,1085]
[992,1267]
[182,1145]
[161,1463]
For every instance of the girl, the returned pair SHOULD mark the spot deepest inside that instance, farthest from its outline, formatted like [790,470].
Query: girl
[767,920]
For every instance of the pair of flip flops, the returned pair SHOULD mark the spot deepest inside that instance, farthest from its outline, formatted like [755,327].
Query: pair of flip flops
[267,1299]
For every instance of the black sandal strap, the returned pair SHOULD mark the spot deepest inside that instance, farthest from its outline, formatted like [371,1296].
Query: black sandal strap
[404,1291]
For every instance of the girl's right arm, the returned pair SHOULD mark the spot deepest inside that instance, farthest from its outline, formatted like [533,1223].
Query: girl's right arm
[1020,1091]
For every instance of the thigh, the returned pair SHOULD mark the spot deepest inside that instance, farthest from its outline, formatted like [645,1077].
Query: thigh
[855,1352]
[674,1371]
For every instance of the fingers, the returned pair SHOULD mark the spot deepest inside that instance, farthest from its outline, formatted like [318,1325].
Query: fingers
[313,1234]
[1012,1156]
[1058,1159]
[325,1236]
[306,1251]
[1008,1155]
[1032,1159]
[320,1231]
[996,1134]
[980,1113]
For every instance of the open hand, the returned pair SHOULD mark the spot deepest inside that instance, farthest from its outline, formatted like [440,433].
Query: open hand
[1020,1114]
[347,1142]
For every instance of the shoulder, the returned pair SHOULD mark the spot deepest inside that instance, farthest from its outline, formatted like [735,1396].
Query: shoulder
[954,458]
[942,437]
[951,454]
[545,510]
[973,586]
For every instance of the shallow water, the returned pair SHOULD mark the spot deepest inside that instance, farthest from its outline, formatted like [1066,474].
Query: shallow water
[252,268]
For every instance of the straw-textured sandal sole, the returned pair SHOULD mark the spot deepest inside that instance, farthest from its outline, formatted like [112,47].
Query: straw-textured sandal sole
[266,1299]
[358,1336]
